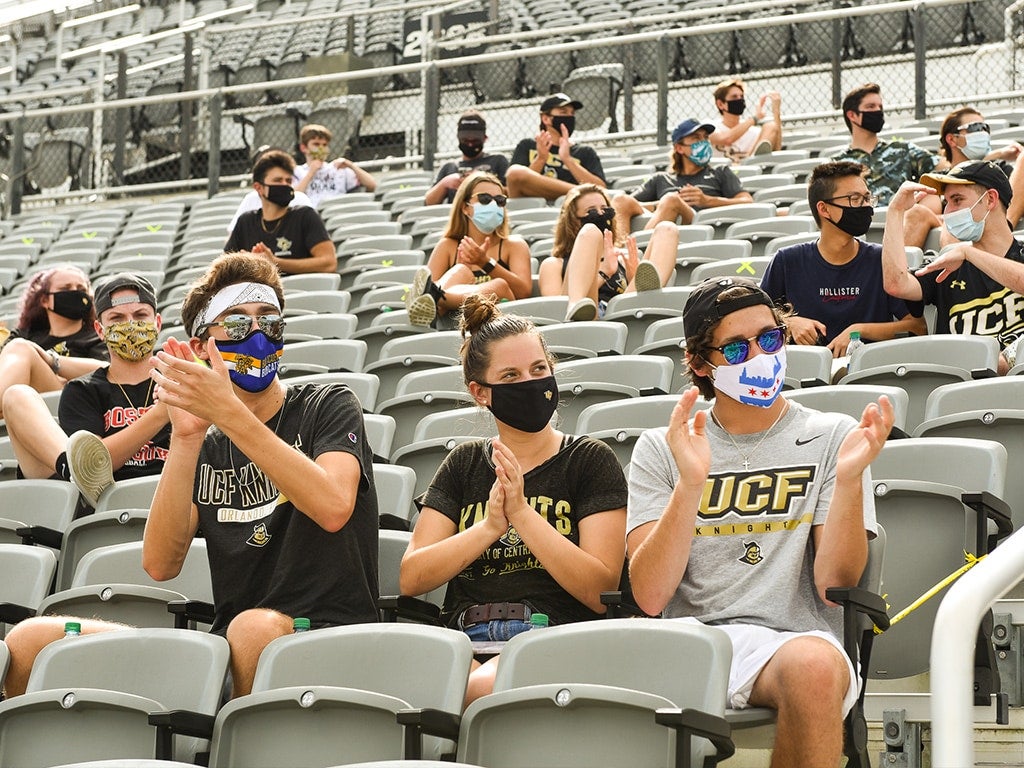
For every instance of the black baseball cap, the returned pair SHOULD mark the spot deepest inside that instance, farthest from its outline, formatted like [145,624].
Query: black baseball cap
[559,100]
[687,127]
[703,309]
[472,125]
[106,287]
[982,172]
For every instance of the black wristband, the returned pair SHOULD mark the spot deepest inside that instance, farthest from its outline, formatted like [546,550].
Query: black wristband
[489,266]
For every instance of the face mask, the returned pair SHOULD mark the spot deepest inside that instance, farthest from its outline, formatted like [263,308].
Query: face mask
[252,362]
[855,220]
[470,150]
[872,121]
[736,106]
[978,145]
[700,152]
[280,194]
[758,381]
[74,305]
[131,340]
[525,405]
[601,218]
[569,121]
[961,224]
[487,218]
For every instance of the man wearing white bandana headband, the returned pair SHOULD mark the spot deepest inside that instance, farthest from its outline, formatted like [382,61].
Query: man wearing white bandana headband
[118,430]
[742,516]
[279,478]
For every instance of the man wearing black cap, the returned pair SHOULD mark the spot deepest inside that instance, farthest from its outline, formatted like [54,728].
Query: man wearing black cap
[977,282]
[742,517]
[472,134]
[549,164]
[118,430]
[692,184]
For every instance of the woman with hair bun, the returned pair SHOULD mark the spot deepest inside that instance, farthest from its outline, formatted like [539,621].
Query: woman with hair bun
[532,521]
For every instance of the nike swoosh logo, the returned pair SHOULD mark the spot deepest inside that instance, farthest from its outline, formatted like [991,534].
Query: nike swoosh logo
[808,440]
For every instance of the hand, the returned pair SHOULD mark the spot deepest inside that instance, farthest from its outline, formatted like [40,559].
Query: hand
[693,196]
[862,444]
[565,147]
[315,165]
[452,181]
[610,260]
[510,476]
[261,249]
[631,258]
[775,99]
[908,195]
[543,141]
[1009,153]
[946,264]
[342,162]
[839,344]
[187,386]
[689,443]
[804,330]
[495,517]
[759,110]
[471,254]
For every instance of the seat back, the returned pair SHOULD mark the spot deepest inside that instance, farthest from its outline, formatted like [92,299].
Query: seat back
[99,529]
[851,399]
[133,493]
[48,503]
[395,486]
[968,353]
[26,574]
[122,564]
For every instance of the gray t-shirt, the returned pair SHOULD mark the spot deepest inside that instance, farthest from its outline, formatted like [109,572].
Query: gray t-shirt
[752,556]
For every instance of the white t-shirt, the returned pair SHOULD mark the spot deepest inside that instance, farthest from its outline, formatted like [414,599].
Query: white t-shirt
[742,146]
[328,182]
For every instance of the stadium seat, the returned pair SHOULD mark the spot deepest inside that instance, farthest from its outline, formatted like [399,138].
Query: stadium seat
[852,399]
[395,487]
[620,422]
[133,493]
[380,433]
[364,385]
[100,529]
[39,509]
[26,574]
[323,356]
[595,338]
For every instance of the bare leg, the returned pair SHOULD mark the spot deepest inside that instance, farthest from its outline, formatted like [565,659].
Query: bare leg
[248,634]
[20,363]
[917,223]
[661,251]
[805,681]
[28,638]
[524,182]
[626,209]
[481,680]
[455,295]
[35,436]
[772,133]
[671,208]
[581,278]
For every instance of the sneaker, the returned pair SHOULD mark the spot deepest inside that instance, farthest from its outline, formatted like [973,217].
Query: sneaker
[419,286]
[646,277]
[418,301]
[89,464]
[584,309]
[763,148]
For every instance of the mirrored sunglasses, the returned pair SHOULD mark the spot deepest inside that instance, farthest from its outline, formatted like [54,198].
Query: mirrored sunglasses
[237,327]
[770,342]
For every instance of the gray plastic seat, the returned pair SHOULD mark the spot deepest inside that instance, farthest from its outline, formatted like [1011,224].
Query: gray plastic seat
[26,574]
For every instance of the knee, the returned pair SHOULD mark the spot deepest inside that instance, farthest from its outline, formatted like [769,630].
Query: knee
[625,205]
[256,625]
[821,672]
[17,348]
[30,636]
[481,681]
[458,274]
[18,398]
[666,230]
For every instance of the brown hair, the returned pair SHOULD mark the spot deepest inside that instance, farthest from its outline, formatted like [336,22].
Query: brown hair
[31,312]
[272,158]
[723,88]
[458,221]
[481,325]
[949,125]
[314,131]
[569,224]
[851,103]
[228,269]
[822,184]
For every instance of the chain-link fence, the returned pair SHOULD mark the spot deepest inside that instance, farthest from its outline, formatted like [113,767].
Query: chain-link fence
[196,120]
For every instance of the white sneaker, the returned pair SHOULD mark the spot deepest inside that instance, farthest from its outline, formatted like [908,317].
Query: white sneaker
[764,147]
[420,305]
[90,465]
[584,309]
[646,277]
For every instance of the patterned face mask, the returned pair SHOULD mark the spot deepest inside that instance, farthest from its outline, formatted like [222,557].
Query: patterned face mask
[131,340]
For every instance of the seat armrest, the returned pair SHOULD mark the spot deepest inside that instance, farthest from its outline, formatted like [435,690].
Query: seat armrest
[982,373]
[40,534]
[426,721]
[619,608]
[862,601]
[692,722]
[11,613]
[186,611]
[989,507]
[395,607]
[178,722]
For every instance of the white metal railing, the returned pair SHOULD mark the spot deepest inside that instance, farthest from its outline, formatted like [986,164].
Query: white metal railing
[952,657]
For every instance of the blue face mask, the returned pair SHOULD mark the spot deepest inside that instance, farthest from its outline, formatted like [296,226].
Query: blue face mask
[978,145]
[252,362]
[700,152]
[961,224]
[488,218]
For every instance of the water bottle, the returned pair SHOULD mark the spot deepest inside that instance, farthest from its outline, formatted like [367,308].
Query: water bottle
[854,347]
[72,629]
[538,621]
[300,624]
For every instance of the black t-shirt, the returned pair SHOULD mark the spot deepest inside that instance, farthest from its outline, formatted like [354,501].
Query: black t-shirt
[526,152]
[583,478]
[713,180]
[83,343]
[496,164]
[293,238]
[970,302]
[92,403]
[264,553]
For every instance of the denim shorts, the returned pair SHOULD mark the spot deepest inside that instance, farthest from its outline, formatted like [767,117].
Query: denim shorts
[497,630]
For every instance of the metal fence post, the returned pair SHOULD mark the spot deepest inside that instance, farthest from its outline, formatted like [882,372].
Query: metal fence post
[185,137]
[213,155]
[628,60]
[837,60]
[664,56]
[920,36]
[120,119]
[431,103]
[17,164]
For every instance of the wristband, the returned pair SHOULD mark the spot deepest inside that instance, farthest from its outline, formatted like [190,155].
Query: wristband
[54,361]
[489,266]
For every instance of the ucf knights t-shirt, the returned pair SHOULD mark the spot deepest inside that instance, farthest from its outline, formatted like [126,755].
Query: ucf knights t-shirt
[264,553]
[292,238]
[583,478]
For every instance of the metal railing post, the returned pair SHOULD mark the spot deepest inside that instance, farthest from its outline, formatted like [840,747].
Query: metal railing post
[214,108]
[17,164]
[629,63]
[837,60]
[120,119]
[664,56]
[187,110]
[920,53]
[431,103]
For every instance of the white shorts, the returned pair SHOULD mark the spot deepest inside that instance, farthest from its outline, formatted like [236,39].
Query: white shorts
[753,647]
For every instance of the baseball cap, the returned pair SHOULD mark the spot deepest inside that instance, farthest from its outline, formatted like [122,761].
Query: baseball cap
[106,287]
[703,309]
[981,172]
[687,127]
[472,125]
[559,100]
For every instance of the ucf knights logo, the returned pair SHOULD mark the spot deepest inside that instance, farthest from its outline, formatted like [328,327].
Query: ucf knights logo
[260,537]
[752,554]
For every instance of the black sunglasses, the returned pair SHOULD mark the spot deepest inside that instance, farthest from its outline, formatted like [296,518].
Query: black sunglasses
[769,341]
[486,198]
[237,327]
[976,127]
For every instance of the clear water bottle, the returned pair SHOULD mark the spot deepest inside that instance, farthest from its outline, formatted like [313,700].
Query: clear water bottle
[72,629]
[854,347]
[538,621]
[301,624]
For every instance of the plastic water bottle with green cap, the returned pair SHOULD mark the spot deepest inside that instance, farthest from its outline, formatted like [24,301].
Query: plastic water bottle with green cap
[301,624]
[538,621]
[854,347]
[72,629]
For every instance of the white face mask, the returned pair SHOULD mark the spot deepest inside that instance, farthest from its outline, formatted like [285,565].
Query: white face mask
[961,224]
[977,145]
[757,381]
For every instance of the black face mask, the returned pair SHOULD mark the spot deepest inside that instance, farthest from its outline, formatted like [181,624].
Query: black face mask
[525,405]
[855,221]
[736,106]
[74,305]
[280,194]
[470,150]
[602,218]
[569,121]
[872,121]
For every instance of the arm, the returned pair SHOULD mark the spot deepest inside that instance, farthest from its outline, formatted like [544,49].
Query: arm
[518,275]
[896,277]
[1016,209]
[437,193]
[366,179]
[580,172]
[69,368]
[841,544]
[322,258]
[659,550]
[1004,271]
[878,332]
[301,183]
